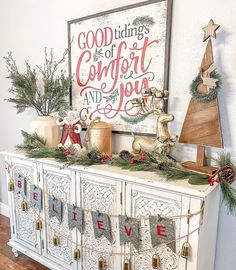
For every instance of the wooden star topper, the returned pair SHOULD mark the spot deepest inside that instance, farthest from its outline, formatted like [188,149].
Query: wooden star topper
[210,30]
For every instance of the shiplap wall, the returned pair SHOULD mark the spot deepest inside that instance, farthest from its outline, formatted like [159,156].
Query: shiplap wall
[27,26]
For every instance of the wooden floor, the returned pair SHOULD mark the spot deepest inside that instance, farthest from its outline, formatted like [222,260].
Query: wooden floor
[7,260]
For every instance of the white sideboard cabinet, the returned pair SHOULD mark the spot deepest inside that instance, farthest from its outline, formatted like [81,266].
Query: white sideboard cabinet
[113,191]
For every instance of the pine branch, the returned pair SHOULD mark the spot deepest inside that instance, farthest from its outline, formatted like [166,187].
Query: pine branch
[229,196]
[25,89]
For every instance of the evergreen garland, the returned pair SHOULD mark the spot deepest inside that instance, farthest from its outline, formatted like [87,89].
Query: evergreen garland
[200,97]
[133,120]
[163,165]
[143,20]
[113,96]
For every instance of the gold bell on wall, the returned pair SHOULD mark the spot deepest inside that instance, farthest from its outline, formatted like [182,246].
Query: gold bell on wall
[24,206]
[10,186]
[127,265]
[76,254]
[101,263]
[56,240]
[39,225]
[186,250]
[156,261]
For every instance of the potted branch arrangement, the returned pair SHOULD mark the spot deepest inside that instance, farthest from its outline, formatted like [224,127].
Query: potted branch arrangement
[45,89]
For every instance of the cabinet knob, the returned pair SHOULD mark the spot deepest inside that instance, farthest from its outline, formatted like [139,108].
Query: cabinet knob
[127,265]
[156,261]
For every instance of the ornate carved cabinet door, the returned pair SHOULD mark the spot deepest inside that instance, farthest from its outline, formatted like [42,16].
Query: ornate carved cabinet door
[59,183]
[24,227]
[103,194]
[149,201]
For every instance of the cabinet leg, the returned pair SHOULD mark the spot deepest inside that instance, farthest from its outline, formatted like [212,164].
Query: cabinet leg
[15,252]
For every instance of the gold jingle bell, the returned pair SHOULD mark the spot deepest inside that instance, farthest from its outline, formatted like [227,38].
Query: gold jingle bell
[76,254]
[99,136]
[101,263]
[56,240]
[156,261]
[39,225]
[10,186]
[24,206]
[186,250]
[127,265]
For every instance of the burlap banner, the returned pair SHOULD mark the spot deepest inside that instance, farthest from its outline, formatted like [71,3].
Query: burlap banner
[20,184]
[36,197]
[102,225]
[75,218]
[129,231]
[55,208]
[162,231]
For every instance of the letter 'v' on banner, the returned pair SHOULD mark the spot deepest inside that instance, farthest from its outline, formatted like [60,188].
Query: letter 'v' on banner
[129,231]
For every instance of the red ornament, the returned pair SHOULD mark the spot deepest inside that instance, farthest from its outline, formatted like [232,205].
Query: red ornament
[212,180]
[132,161]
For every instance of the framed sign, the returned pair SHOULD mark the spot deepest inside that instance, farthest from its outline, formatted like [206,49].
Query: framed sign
[113,57]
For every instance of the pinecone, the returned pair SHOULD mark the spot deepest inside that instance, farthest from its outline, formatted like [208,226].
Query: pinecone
[126,155]
[228,174]
[163,166]
[94,155]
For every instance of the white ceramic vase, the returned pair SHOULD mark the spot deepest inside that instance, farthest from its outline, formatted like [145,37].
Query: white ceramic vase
[46,128]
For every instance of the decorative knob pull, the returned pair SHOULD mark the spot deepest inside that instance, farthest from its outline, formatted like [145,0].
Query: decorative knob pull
[101,263]
[10,186]
[39,225]
[156,261]
[24,206]
[186,250]
[76,254]
[56,240]
[127,265]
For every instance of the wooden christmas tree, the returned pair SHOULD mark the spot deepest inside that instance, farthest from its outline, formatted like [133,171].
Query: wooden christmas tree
[202,122]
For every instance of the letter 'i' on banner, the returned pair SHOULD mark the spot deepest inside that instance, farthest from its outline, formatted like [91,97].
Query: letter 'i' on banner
[20,184]
[101,225]
[75,217]
[36,197]
[162,231]
[55,208]
[129,231]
